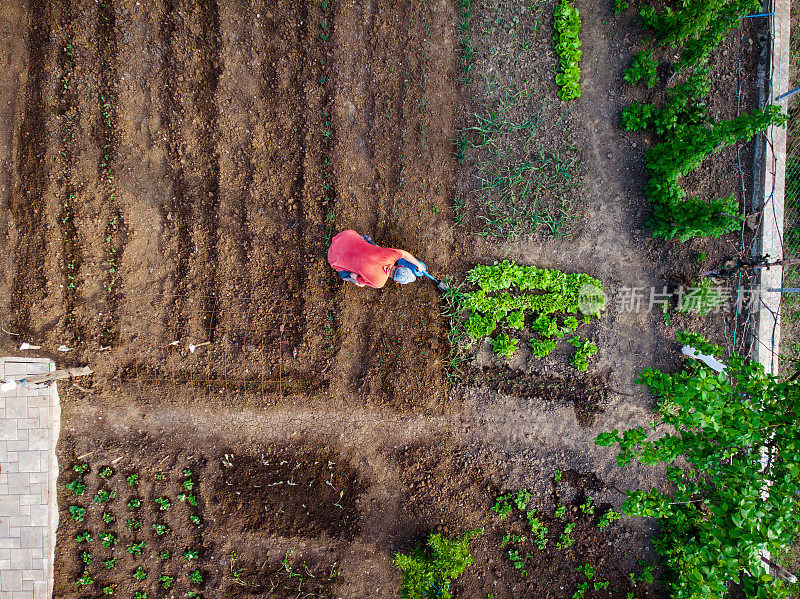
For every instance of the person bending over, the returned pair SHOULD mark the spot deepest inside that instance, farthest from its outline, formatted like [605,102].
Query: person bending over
[359,260]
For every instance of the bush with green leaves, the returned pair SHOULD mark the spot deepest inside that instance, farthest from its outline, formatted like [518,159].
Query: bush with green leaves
[724,503]
[429,568]
[698,26]
[689,134]
[568,50]
[643,68]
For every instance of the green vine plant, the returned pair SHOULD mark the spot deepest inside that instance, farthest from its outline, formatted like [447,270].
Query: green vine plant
[698,26]
[506,293]
[727,501]
[689,134]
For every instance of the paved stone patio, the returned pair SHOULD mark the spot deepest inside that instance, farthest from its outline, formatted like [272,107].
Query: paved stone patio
[29,427]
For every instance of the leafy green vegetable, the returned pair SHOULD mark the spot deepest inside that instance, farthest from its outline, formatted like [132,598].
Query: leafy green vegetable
[568,50]
[504,346]
[429,568]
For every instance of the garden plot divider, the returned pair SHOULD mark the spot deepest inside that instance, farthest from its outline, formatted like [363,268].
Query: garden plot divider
[770,201]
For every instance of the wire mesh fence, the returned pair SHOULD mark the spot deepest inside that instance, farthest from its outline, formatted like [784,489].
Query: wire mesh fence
[790,298]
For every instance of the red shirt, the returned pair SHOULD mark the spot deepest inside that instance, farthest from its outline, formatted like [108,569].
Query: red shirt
[371,263]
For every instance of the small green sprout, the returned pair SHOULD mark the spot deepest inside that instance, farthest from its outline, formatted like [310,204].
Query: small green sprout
[561,512]
[77,487]
[166,581]
[133,479]
[190,499]
[108,539]
[139,573]
[586,570]
[187,472]
[135,503]
[194,519]
[565,540]
[104,496]
[108,589]
[601,585]
[557,475]
[164,554]
[163,503]
[83,537]
[136,548]
[191,554]
[81,468]
[110,563]
[196,577]
[85,580]
[517,561]
[86,557]
[587,507]
[133,524]
[188,484]
[607,518]
[140,595]
[105,472]
[108,518]
[160,529]
[77,512]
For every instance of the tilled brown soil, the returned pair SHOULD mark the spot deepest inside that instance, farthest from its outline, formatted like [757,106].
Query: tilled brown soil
[175,171]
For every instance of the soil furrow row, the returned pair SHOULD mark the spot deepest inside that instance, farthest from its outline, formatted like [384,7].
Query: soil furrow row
[206,230]
[179,206]
[71,187]
[110,214]
[28,203]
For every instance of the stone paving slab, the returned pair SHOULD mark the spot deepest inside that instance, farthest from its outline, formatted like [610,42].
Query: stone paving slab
[29,428]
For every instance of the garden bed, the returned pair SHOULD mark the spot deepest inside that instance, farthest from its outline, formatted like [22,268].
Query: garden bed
[213,149]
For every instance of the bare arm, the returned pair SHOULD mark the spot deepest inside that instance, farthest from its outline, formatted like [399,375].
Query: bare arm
[412,259]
